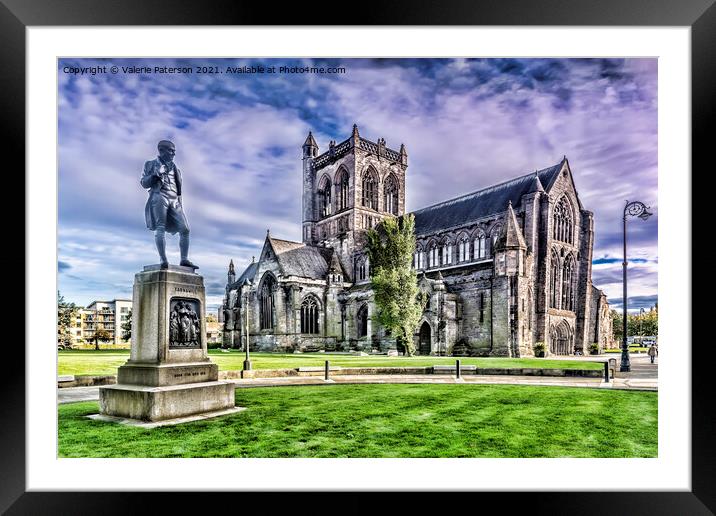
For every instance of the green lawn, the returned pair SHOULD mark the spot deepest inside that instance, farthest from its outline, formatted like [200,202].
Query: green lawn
[389,421]
[106,362]
[632,349]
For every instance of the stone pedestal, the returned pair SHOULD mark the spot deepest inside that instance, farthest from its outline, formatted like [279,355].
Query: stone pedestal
[168,374]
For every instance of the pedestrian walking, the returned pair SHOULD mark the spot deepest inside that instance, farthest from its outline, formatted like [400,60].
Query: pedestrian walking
[653,352]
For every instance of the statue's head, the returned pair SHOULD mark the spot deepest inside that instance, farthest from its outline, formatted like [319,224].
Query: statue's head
[166,150]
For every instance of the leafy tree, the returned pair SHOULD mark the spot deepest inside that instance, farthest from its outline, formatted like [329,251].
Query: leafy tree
[650,322]
[617,325]
[398,299]
[646,323]
[100,334]
[66,314]
[127,326]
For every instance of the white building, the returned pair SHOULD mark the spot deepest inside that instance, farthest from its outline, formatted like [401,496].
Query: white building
[107,315]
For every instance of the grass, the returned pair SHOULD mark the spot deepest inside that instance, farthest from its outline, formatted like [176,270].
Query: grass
[105,362]
[389,421]
[632,349]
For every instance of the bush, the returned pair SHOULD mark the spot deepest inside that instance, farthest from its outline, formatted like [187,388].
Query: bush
[213,345]
[539,349]
[594,349]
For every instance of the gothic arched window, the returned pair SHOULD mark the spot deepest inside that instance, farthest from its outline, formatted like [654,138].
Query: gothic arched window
[362,268]
[266,302]
[324,197]
[363,321]
[390,195]
[480,246]
[417,258]
[463,249]
[360,272]
[342,190]
[370,189]
[494,235]
[567,277]
[433,256]
[446,253]
[562,222]
[554,281]
[309,315]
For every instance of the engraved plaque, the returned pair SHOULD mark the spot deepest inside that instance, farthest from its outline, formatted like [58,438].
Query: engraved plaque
[184,323]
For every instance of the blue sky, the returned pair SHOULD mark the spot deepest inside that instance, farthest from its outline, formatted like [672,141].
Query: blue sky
[466,124]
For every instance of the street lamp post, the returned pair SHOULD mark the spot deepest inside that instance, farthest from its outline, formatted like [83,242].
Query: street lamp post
[247,361]
[632,209]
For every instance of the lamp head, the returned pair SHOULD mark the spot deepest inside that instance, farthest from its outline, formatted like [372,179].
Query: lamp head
[645,215]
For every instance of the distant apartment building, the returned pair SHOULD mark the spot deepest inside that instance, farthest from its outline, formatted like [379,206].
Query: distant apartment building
[111,316]
[213,329]
[106,315]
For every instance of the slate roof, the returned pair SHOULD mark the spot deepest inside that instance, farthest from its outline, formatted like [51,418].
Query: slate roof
[305,261]
[248,274]
[482,203]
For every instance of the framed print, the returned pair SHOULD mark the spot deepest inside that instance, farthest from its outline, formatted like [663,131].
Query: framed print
[451,197]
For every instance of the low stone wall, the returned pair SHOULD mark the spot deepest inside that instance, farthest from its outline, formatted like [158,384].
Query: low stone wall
[584,373]
[86,381]
[359,371]
[257,373]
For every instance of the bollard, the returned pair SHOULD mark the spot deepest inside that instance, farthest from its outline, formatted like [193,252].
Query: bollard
[606,372]
[327,367]
[457,369]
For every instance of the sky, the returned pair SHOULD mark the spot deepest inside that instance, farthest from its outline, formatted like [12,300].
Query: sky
[466,124]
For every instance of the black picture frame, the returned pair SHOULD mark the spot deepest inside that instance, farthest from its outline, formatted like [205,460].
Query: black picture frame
[17,15]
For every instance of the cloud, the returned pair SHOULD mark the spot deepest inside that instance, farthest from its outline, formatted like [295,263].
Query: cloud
[634,303]
[63,267]
[466,123]
[605,260]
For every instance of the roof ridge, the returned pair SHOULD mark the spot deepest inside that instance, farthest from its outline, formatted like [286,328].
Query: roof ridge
[284,240]
[464,196]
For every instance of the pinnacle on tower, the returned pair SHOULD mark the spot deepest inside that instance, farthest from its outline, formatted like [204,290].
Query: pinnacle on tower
[511,235]
[403,155]
[536,185]
[355,136]
[231,266]
[310,147]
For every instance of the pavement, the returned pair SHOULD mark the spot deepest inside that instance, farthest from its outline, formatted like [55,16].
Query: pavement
[643,376]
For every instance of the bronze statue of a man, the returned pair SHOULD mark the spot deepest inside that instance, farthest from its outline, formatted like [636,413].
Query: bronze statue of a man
[163,211]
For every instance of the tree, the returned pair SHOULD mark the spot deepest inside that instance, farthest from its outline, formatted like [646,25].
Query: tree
[646,323]
[66,314]
[127,326]
[650,322]
[100,334]
[398,299]
[617,325]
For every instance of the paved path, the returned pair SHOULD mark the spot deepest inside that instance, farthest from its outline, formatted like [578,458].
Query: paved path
[644,376]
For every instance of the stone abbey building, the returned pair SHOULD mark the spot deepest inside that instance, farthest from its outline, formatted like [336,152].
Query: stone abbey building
[505,267]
